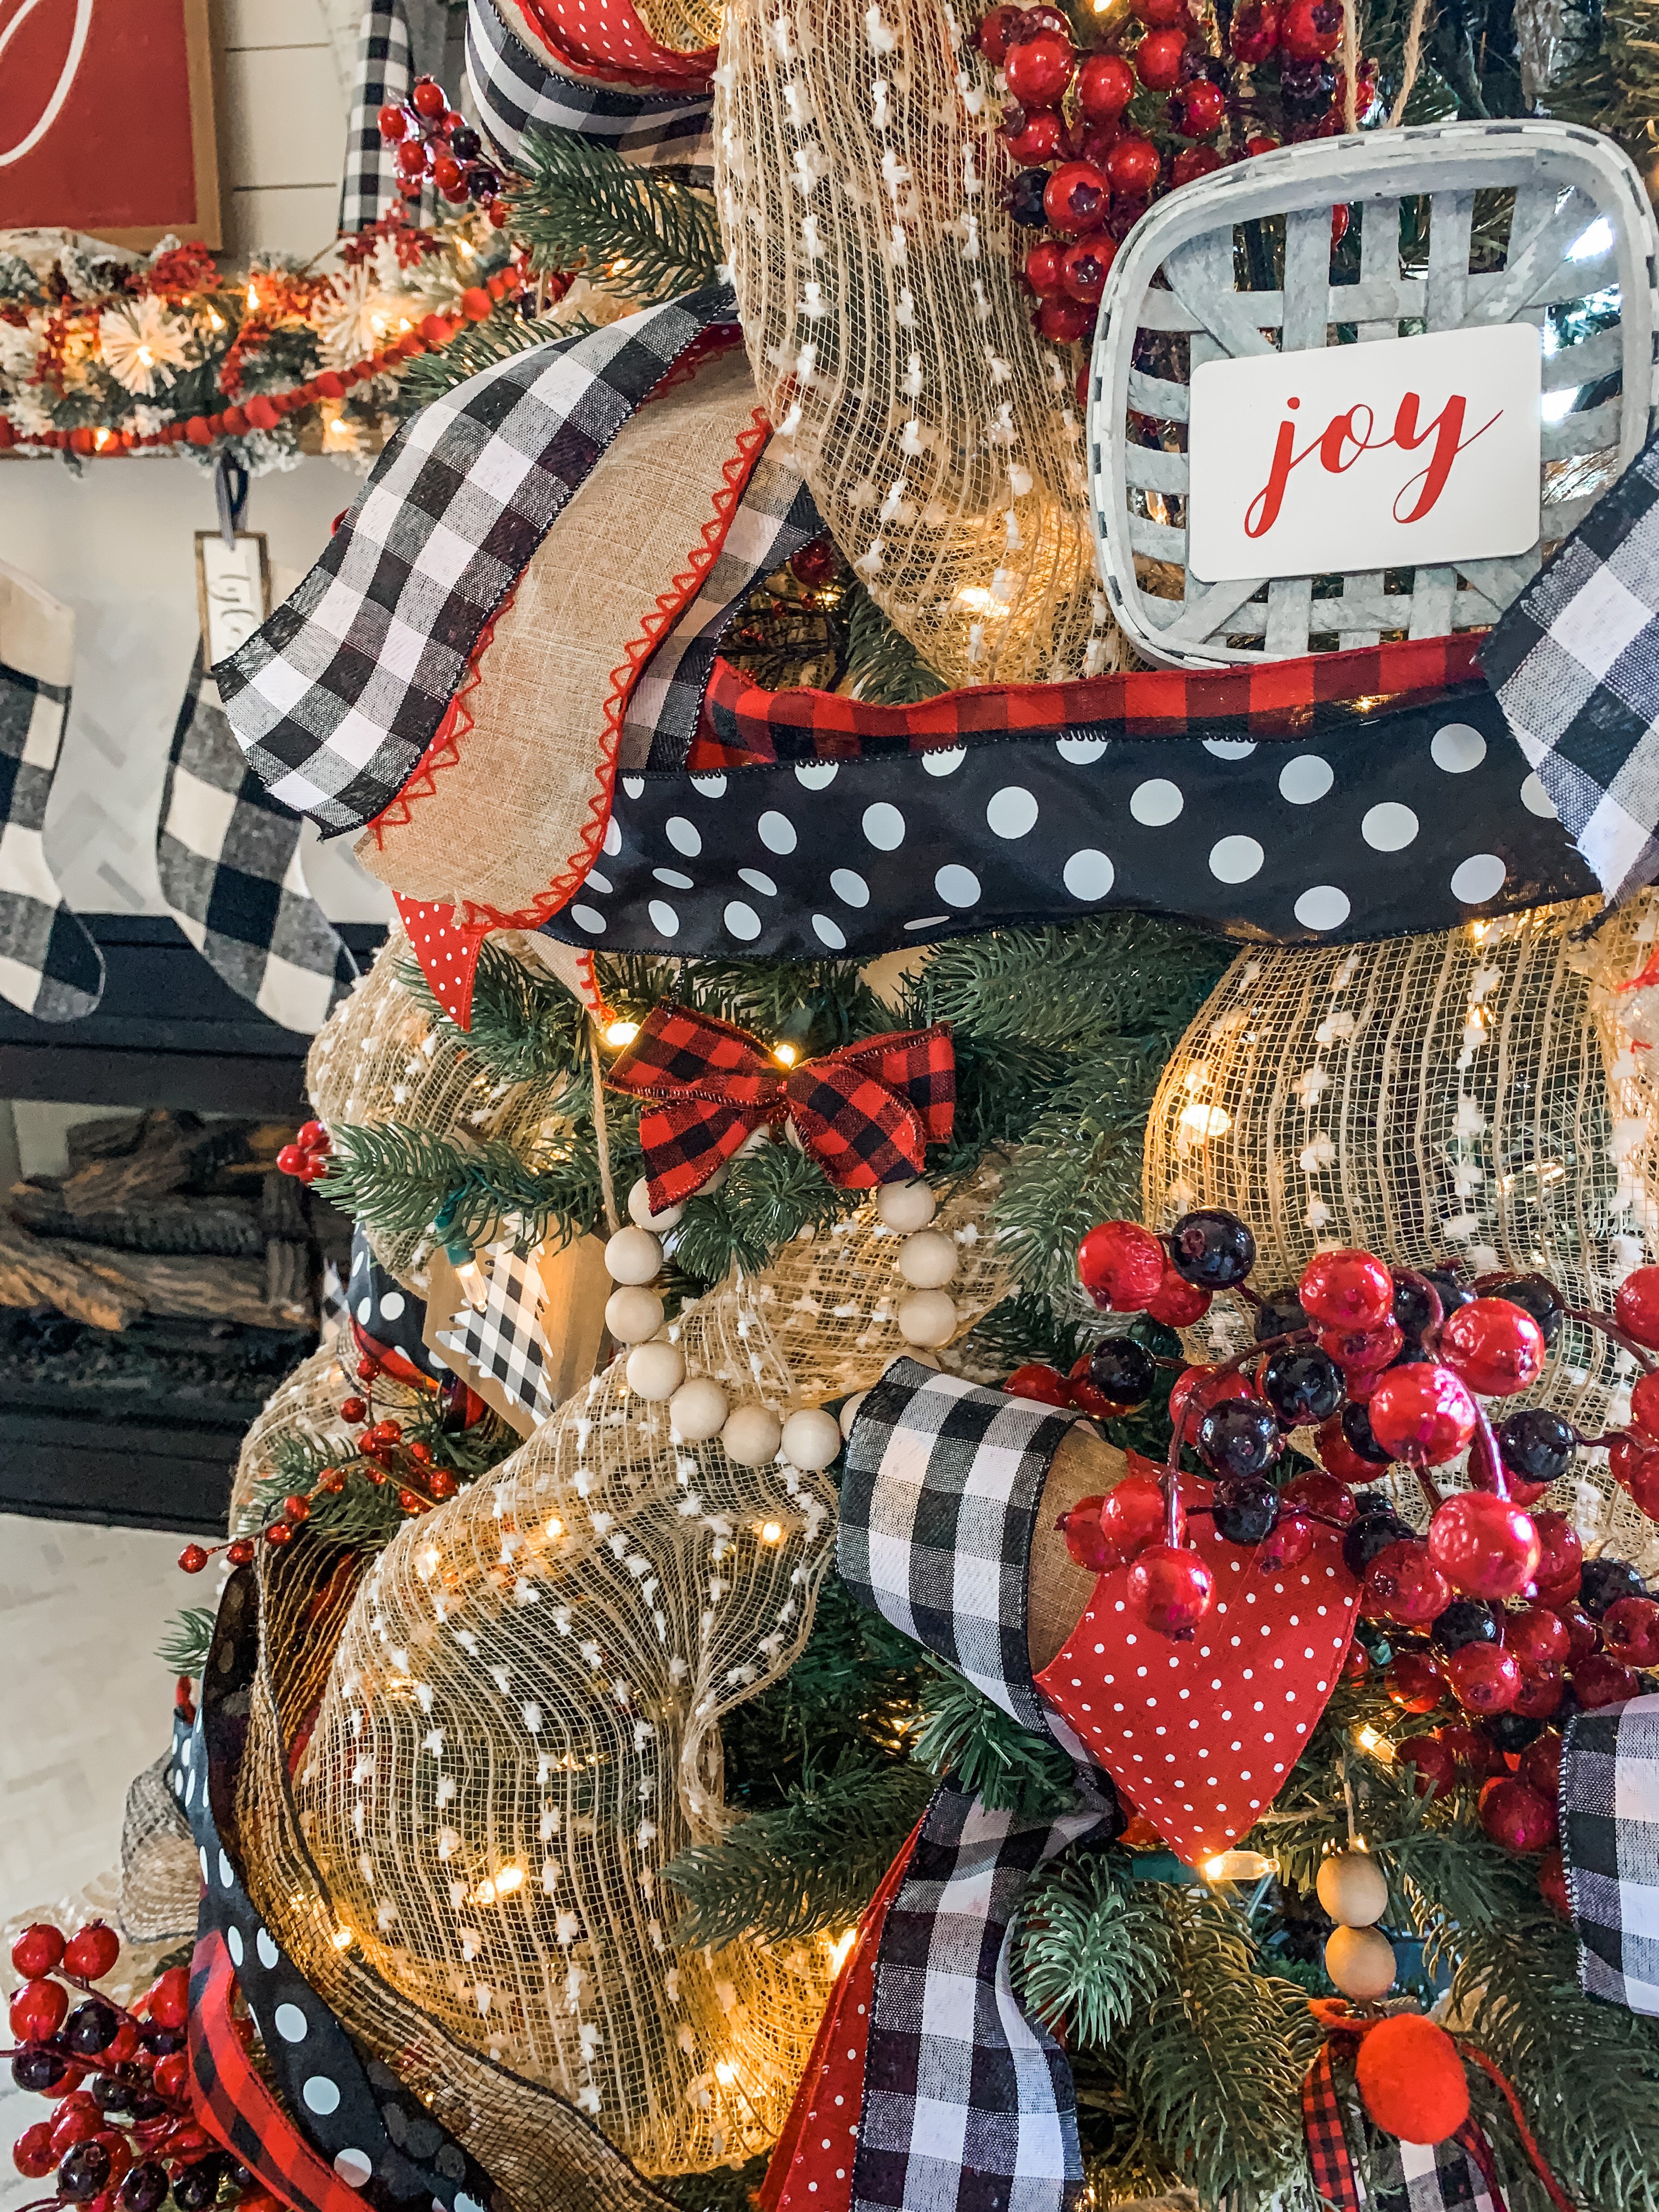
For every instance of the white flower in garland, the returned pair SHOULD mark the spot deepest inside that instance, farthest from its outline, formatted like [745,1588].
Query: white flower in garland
[19,348]
[356,318]
[143,345]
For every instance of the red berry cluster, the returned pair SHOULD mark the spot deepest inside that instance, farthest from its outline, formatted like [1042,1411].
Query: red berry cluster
[308,1156]
[433,141]
[1384,1365]
[1088,168]
[382,1456]
[122,2132]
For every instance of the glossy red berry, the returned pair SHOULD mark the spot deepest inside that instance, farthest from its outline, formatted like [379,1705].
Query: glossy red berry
[1083,273]
[996,32]
[1339,1457]
[1517,1818]
[1202,108]
[1496,1347]
[1105,86]
[1261,143]
[32,2154]
[171,2075]
[1537,1637]
[169,1998]
[1484,1677]
[1552,1884]
[91,1952]
[1118,1263]
[1176,1303]
[1322,1493]
[1310,30]
[441,1483]
[353,1410]
[331,1481]
[240,1552]
[1192,162]
[1363,1351]
[1561,1556]
[1435,1768]
[192,1559]
[1195,1390]
[1403,1584]
[1170,1590]
[1042,269]
[290,1159]
[1483,1545]
[1540,1694]
[412,158]
[1347,1289]
[1629,1629]
[1601,1680]
[1541,1765]
[1039,138]
[1424,1415]
[428,97]
[1254,33]
[279,1533]
[36,2011]
[1414,1683]
[1074,200]
[1477,1755]
[38,1950]
[1135,166]
[1040,68]
[1132,1516]
[1644,1406]
[1287,1545]
[1157,59]
[1085,1541]
[1636,1308]
[1356,1662]
[1047,1385]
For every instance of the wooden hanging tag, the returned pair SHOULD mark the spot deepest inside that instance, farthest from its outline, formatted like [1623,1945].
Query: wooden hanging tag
[232,589]
[577,1282]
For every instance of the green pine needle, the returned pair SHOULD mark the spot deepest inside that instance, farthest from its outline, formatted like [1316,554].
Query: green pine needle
[1089,1948]
[478,347]
[983,1749]
[524,1025]
[577,202]
[883,667]
[185,1641]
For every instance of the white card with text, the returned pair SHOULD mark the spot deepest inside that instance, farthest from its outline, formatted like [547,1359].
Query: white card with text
[1386,455]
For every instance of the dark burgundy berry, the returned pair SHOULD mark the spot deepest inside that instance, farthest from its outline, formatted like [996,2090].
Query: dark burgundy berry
[1466,1620]
[1279,1315]
[89,2029]
[162,2040]
[1536,1445]
[1026,198]
[1239,1437]
[1213,1249]
[196,2187]
[110,2094]
[1122,1370]
[38,2069]
[1512,1731]
[146,2107]
[145,2187]
[1413,1307]
[83,2172]
[1357,1428]
[465,144]
[1533,1294]
[484,182]
[1362,1539]
[1246,1509]
[1605,1582]
[1302,1387]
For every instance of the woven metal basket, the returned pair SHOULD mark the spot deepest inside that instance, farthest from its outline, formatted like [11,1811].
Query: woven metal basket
[1459,226]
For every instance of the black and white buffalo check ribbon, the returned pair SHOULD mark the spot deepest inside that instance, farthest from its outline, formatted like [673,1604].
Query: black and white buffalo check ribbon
[233,873]
[336,698]
[504,1340]
[1610,1842]
[1575,663]
[775,517]
[968,2105]
[385,74]
[49,966]
[514,90]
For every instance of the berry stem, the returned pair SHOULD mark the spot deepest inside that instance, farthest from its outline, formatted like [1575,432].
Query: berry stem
[1609,1327]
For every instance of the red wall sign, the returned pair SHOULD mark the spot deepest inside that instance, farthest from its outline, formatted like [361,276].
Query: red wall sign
[106,118]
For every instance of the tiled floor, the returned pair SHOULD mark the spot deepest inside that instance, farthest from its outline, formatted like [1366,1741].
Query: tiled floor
[84,1703]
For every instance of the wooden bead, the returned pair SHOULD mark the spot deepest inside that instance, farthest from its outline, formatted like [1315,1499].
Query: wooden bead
[656,1370]
[632,1314]
[752,1436]
[927,1318]
[633,1256]
[927,1261]
[1352,1888]
[811,1439]
[1361,1962]
[640,1213]
[698,1410]
[905,1204]
[849,1412]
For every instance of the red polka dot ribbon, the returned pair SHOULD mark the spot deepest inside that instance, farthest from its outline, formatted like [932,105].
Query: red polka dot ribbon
[447,952]
[608,37]
[1200,1736]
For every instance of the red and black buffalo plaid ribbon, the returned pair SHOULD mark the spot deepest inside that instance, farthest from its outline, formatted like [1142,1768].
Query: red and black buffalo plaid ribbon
[867,1113]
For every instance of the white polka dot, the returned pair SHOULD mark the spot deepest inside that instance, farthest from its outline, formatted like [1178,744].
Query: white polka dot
[945,761]
[958,886]
[1457,748]
[392,1305]
[365,1311]
[673,879]
[1537,800]
[664,920]
[633,786]
[684,837]
[1236,859]
[1012,811]
[884,826]
[234,1945]
[320,2095]
[1324,906]
[1157,802]
[1389,828]
[927,922]
[1088,875]
[601,883]
[1305,779]
[227,1874]
[585,917]
[743,921]
[709,786]
[1477,878]
[353,2166]
[777,832]
[1229,748]
[1080,752]
[830,933]
[816,775]
[849,887]
[268,1951]
[758,881]
[290,2023]
[612,837]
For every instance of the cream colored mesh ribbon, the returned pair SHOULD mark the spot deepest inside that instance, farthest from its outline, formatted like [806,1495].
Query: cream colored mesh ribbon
[306,1408]
[857,180]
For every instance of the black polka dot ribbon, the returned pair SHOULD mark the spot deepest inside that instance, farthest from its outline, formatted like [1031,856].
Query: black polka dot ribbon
[1355,825]
[388,1321]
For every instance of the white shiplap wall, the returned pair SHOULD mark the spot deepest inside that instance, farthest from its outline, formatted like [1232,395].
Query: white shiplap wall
[282,135]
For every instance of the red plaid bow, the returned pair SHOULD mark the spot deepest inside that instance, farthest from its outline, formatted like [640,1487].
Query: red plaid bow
[866,1114]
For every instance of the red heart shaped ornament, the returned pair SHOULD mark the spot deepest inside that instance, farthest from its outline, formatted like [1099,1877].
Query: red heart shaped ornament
[1200,1736]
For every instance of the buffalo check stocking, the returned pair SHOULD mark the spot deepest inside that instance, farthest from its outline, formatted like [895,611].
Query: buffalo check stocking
[1610,1842]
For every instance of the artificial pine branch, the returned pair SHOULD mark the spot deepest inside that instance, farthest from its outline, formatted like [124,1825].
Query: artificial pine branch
[186,1639]
[985,1751]
[394,1180]
[524,1025]
[479,346]
[578,203]
[1090,1948]
[770,1196]
[883,666]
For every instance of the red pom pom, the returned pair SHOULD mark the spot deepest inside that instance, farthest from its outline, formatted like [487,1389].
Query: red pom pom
[1424,1415]
[1636,1309]
[1118,1263]
[1347,1289]
[1517,1818]
[1410,2079]
[1169,1589]
[1496,1347]
[1105,86]
[1481,1544]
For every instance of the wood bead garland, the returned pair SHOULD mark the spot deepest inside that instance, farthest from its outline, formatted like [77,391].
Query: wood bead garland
[905,1205]
[1352,1888]
[811,1439]
[1361,1963]
[1358,1957]
[927,1318]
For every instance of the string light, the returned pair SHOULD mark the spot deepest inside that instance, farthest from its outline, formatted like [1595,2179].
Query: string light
[342,1939]
[474,1284]
[771,1532]
[1370,1739]
[1204,1123]
[620,1033]
[253,297]
[554,1527]
[839,1946]
[785,1054]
